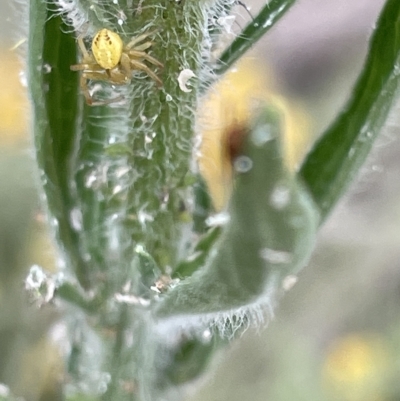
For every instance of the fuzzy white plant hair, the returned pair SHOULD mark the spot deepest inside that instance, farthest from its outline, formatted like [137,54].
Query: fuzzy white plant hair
[226,324]
[77,14]
[73,14]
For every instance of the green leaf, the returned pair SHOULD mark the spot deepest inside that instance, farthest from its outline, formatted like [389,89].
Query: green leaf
[270,233]
[199,255]
[53,90]
[342,149]
[271,13]
[189,361]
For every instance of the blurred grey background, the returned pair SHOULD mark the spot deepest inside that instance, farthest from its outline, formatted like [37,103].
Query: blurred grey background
[336,334]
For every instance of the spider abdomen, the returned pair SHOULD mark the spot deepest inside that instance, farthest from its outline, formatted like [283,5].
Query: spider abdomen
[107,47]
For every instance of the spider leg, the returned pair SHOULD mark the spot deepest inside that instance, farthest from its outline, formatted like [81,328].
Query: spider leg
[82,46]
[138,39]
[85,76]
[137,65]
[87,57]
[86,66]
[85,89]
[88,61]
[112,76]
[142,47]
[245,7]
[97,76]
[144,55]
[125,64]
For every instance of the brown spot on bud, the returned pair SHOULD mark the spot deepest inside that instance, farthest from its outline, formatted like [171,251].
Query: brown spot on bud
[232,141]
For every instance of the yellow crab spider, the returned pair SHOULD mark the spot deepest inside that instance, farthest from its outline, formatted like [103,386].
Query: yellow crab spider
[112,61]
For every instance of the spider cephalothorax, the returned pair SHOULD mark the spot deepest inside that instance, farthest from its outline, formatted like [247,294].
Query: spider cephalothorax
[112,61]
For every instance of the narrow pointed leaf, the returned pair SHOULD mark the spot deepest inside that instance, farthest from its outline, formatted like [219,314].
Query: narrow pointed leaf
[342,149]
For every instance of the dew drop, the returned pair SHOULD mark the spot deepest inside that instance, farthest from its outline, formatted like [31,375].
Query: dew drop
[60,263]
[114,217]
[54,222]
[377,168]
[262,135]
[139,248]
[126,299]
[149,138]
[218,220]
[207,335]
[40,285]
[121,171]
[243,164]
[275,256]
[144,217]
[289,281]
[267,23]
[46,68]
[168,98]
[280,197]
[117,189]
[90,179]
[75,217]
[365,134]
[183,79]
[36,278]
[193,256]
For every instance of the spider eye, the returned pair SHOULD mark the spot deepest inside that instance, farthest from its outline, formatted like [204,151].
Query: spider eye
[107,47]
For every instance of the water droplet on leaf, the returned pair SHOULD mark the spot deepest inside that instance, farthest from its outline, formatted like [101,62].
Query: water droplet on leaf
[275,256]
[243,164]
[280,197]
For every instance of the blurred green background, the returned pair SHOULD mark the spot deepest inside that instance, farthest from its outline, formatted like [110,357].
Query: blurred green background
[336,334]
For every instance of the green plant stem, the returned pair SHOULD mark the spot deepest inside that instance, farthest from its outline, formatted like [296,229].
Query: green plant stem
[71,294]
[136,154]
